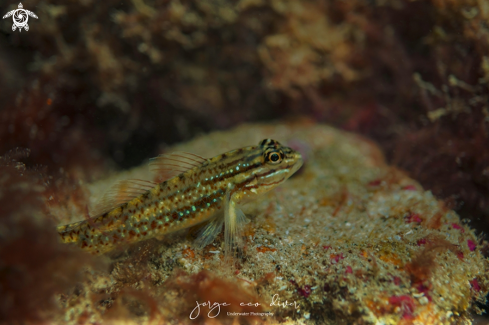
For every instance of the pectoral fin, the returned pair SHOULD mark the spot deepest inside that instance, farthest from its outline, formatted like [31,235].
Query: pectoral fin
[234,220]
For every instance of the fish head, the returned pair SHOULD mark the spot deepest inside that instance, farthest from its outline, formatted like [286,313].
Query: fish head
[272,164]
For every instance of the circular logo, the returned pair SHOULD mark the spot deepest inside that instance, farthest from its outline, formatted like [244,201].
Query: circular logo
[20,18]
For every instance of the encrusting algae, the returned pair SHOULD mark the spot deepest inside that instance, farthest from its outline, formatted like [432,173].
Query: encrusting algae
[197,190]
[347,240]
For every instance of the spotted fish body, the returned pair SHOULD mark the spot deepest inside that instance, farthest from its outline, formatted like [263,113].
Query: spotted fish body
[207,194]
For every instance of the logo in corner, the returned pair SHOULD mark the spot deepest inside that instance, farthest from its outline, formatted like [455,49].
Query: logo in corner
[20,17]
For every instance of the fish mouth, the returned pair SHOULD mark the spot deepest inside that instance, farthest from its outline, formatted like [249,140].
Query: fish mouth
[296,162]
[299,163]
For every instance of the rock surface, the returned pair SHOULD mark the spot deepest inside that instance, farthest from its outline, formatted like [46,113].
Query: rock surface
[347,240]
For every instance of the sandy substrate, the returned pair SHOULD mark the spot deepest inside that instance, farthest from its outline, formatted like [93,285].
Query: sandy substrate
[348,240]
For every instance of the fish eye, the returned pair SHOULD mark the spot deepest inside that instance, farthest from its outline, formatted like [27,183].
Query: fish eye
[274,157]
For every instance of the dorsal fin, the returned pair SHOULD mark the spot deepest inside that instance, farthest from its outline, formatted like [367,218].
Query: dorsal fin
[120,193]
[167,166]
